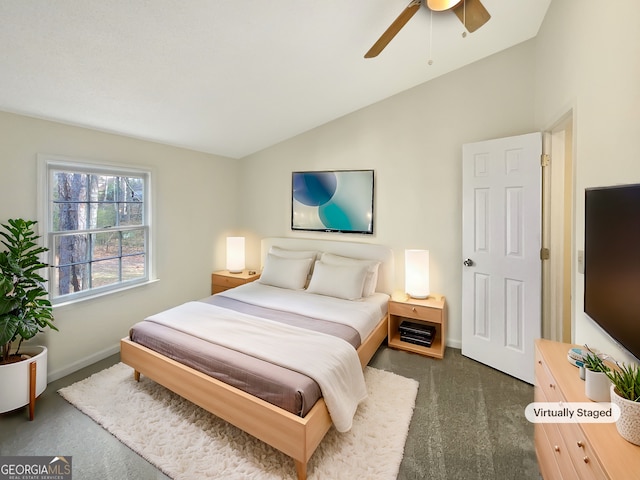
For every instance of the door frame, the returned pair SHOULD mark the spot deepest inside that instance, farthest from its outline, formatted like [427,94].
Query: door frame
[558,200]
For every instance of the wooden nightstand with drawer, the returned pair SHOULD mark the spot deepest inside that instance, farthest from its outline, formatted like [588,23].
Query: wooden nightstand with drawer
[224,280]
[431,312]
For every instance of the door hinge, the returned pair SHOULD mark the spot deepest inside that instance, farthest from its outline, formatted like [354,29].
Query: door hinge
[545,159]
[544,254]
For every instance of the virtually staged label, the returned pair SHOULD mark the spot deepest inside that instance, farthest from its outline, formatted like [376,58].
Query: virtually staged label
[572,412]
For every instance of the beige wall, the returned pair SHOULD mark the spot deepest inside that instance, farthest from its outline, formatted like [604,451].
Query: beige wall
[192,215]
[588,60]
[585,58]
[413,141]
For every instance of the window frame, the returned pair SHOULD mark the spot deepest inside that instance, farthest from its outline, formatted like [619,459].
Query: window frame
[46,165]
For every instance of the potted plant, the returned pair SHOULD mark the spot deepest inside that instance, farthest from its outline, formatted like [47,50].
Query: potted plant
[24,312]
[597,383]
[625,393]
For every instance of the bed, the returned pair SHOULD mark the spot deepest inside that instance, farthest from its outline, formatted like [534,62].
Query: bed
[296,424]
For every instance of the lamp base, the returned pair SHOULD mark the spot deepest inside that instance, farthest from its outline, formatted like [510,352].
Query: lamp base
[236,271]
[418,297]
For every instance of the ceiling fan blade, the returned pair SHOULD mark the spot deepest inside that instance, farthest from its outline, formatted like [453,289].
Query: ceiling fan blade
[393,29]
[476,15]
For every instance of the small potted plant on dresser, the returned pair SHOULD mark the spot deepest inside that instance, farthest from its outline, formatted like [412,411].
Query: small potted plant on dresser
[625,393]
[24,312]
[597,383]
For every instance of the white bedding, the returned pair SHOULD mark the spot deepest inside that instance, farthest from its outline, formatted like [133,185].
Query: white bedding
[332,362]
[363,315]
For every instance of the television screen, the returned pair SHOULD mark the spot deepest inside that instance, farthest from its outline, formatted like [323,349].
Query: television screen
[332,201]
[612,262]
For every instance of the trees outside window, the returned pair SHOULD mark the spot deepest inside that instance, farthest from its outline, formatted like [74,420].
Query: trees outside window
[98,229]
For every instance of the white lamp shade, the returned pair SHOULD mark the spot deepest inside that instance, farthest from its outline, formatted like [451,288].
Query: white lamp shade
[416,271]
[235,254]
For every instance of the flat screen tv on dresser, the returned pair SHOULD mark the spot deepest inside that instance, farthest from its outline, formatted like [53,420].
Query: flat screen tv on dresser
[612,262]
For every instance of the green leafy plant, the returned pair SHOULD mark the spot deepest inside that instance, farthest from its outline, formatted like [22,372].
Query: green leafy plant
[594,363]
[24,308]
[626,381]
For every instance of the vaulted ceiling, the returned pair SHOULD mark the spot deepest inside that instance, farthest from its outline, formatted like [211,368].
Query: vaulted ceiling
[229,77]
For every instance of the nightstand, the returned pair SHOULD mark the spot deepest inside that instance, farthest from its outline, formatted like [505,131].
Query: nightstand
[224,280]
[430,312]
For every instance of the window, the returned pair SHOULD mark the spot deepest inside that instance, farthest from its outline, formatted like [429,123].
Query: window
[96,228]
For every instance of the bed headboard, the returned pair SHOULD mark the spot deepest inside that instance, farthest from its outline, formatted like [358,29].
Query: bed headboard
[368,251]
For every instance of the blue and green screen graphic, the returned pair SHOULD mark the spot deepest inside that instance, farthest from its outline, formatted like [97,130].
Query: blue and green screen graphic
[339,201]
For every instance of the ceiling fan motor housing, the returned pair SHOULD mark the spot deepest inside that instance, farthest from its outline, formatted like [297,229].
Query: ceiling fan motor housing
[442,5]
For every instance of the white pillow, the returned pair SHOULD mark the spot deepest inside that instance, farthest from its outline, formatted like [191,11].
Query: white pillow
[341,281]
[284,253]
[370,282]
[285,272]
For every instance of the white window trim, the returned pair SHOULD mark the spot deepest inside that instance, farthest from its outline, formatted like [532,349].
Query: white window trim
[45,162]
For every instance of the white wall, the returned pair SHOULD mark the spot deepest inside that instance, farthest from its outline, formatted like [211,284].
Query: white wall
[588,60]
[413,141]
[194,210]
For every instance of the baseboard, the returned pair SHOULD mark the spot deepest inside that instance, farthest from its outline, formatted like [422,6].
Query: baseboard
[85,362]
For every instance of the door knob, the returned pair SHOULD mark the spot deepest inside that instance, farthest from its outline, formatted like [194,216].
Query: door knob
[468,262]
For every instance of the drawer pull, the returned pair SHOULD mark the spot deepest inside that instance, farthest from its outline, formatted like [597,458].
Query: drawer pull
[551,385]
[580,444]
[413,309]
[585,459]
[556,448]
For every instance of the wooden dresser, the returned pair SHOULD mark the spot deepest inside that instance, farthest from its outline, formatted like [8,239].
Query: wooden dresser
[576,450]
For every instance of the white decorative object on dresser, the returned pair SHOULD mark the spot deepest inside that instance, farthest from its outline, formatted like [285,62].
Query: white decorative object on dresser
[576,450]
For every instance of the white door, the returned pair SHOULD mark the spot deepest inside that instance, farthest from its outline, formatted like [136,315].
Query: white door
[501,272]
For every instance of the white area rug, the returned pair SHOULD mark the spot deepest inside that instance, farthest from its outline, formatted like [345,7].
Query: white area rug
[186,442]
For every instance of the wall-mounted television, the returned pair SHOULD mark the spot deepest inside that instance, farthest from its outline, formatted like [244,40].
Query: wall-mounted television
[612,262]
[332,201]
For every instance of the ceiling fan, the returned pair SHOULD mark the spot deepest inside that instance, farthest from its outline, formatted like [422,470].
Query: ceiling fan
[471,13]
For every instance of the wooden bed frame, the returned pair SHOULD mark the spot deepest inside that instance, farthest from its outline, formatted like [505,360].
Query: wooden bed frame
[295,436]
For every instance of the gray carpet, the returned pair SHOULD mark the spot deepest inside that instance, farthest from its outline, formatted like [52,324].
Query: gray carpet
[469,419]
[468,424]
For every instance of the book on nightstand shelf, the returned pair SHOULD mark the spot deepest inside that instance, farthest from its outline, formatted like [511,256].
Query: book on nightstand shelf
[417,328]
[417,333]
[416,340]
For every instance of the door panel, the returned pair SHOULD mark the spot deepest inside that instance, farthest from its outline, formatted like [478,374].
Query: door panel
[501,237]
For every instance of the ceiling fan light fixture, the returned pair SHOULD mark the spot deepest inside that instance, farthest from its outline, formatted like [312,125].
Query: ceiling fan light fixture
[471,13]
[442,5]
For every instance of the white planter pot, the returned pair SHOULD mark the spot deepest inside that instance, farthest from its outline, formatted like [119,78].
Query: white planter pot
[596,386]
[14,379]
[628,424]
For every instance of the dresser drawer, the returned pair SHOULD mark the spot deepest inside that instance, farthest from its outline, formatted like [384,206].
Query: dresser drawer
[544,380]
[553,457]
[581,452]
[549,467]
[558,449]
[418,312]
